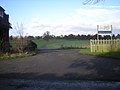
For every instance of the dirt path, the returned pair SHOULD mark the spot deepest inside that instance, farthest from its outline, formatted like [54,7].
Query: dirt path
[61,64]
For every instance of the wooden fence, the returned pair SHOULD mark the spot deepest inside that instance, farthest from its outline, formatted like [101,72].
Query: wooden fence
[104,45]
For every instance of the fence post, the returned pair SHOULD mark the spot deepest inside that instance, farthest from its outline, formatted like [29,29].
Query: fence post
[91,45]
[104,45]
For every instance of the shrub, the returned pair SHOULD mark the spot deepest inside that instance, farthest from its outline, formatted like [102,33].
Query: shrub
[18,45]
[31,46]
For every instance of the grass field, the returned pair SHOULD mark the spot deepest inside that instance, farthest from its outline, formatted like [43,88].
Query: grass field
[57,43]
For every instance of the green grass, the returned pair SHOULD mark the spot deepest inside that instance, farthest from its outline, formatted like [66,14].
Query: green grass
[115,55]
[11,56]
[87,51]
[57,43]
[111,55]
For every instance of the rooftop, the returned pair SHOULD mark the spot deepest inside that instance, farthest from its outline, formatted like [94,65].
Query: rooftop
[1,8]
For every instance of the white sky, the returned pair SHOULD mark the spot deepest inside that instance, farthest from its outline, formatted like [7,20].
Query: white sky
[82,21]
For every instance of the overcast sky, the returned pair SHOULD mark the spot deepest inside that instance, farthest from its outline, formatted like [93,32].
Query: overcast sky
[62,17]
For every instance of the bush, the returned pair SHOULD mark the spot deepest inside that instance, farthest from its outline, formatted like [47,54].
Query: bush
[31,46]
[18,45]
[21,45]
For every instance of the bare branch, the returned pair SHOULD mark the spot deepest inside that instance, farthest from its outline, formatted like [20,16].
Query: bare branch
[19,29]
[92,1]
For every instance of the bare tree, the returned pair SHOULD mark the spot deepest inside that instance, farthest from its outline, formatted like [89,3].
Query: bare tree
[92,1]
[19,30]
[20,41]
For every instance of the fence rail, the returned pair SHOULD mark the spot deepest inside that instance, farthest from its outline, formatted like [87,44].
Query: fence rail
[104,45]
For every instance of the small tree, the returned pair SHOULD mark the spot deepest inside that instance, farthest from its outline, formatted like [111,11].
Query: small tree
[20,42]
[46,36]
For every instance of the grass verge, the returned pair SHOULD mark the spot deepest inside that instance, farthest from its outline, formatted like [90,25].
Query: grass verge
[115,55]
[16,55]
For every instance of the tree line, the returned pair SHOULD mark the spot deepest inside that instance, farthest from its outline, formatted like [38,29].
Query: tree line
[47,36]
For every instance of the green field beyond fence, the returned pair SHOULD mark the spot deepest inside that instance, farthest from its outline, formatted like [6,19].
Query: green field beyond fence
[58,43]
[105,45]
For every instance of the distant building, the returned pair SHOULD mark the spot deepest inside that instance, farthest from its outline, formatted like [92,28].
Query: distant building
[4,31]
